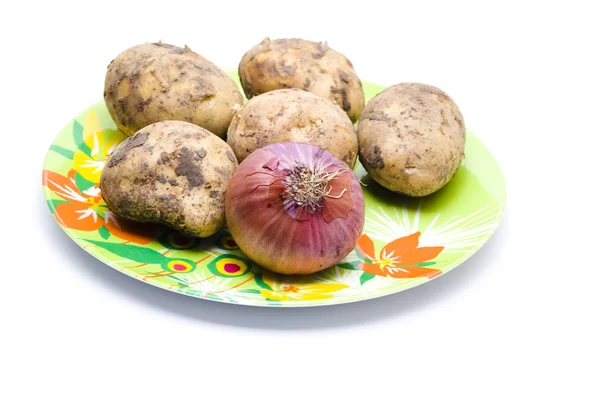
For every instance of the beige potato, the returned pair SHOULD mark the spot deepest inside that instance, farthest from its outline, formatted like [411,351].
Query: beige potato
[306,65]
[411,138]
[155,82]
[170,172]
[292,115]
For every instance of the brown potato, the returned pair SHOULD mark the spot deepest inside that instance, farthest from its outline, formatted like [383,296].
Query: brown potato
[292,115]
[156,81]
[306,65]
[170,172]
[412,138]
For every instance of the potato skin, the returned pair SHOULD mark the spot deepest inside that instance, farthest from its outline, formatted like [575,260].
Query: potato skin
[306,65]
[292,115]
[155,82]
[170,172]
[411,138]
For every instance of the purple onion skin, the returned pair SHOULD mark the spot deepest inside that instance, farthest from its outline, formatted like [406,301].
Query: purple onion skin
[268,232]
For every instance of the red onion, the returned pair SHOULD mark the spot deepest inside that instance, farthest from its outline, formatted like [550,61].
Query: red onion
[294,208]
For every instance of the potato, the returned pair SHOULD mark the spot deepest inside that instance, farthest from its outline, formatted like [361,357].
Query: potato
[292,115]
[155,82]
[301,64]
[170,172]
[411,138]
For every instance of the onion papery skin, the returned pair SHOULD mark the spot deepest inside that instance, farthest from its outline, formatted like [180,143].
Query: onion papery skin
[279,239]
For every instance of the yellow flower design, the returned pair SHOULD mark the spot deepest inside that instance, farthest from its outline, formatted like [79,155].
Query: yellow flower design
[101,147]
[297,288]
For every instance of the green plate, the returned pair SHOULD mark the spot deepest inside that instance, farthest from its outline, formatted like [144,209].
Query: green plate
[432,235]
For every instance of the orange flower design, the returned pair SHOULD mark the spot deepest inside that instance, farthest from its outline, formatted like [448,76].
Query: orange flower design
[80,211]
[86,211]
[398,258]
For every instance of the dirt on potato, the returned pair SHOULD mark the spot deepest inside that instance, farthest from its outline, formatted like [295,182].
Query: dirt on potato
[154,82]
[170,172]
[302,64]
[292,115]
[412,138]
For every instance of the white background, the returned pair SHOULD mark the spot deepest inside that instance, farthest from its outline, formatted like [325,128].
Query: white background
[517,320]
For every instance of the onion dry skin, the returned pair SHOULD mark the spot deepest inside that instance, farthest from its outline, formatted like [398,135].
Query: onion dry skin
[294,208]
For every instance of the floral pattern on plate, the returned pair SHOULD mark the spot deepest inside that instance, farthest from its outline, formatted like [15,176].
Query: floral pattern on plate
[406,241]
